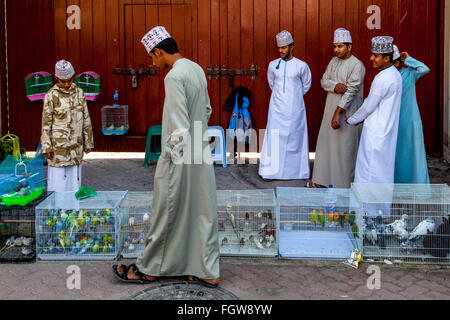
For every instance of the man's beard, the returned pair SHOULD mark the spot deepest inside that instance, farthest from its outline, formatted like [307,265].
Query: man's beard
[288,54]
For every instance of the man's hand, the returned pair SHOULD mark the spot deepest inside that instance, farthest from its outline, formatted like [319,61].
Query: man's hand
[340,88]
[335,121]
[404,55]
[347,117]
[50,155]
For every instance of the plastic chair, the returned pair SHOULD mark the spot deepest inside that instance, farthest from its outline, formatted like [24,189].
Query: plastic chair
[219,153]
[152,150]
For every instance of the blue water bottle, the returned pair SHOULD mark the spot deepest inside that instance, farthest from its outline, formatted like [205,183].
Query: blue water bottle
[116,98]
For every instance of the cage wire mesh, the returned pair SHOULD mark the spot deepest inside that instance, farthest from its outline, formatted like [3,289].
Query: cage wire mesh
[115,120]
[21,173]
[405,223]
[17,224]
[247,222]
[134,223]
[308,231]
[72,230]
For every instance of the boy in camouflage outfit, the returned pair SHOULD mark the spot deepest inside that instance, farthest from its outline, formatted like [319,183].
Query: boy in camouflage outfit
[66,130]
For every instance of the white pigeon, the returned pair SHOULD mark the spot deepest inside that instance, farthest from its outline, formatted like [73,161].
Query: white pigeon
[423,228]
[371,235]
[146,217]
[399,228]
[401,223]
[258,243]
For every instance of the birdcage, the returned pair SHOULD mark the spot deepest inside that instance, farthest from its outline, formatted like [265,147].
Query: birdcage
[21,180]
[90,83]
[134,223]
[17,232]
[37,84]
[309,231]
[247,222]
[405,223]
[72,230]
[115,120]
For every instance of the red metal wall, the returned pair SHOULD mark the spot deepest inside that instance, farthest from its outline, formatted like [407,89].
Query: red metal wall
[234,33]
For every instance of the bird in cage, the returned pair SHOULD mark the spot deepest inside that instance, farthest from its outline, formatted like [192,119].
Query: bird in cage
[321,219]
[423,228]
[355,230]
[146,218]
[398,228]
[258,244]
[313,217]
[247,216]
[269,213]
[224,241]
[438,244]
[242,242]
[131,221]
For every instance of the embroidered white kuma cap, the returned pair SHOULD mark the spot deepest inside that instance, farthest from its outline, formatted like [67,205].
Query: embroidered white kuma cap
[284,38]
[342,35]
[64,70]
[396,53]
[383,45]
[154,37]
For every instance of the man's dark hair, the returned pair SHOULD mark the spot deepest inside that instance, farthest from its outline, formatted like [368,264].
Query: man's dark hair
[169,46]
[349,43]
[390,55]
[395,61]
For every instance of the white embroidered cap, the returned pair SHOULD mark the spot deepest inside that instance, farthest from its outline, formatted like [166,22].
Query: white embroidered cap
[383,45]
[64,70]
[284,38]
[342,35]
[396,53]
[154,37]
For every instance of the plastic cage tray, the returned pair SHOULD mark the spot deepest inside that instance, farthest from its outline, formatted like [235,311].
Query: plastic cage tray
[301,237]
[18,221]
[72,230]
[134,223]
[405,223]
[247,222]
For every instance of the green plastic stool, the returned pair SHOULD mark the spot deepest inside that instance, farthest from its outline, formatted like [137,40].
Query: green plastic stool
[152,150]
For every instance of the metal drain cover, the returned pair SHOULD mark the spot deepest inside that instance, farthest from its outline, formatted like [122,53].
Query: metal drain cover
[183,291]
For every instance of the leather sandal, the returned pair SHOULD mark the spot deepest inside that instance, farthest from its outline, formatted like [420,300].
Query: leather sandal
[124,277]
[210,283]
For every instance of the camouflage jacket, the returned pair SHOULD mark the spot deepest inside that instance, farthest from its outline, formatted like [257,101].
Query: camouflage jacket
[66,126]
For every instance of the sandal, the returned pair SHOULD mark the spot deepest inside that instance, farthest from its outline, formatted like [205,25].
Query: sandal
[124,277]
[213,283]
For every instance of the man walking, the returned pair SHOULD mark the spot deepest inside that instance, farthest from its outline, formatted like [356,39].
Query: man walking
[183,238]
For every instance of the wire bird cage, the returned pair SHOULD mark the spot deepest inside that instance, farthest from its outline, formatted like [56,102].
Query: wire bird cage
[21,179]
[134,223]
[115,120]
[72,230]
[247,223]
[17,232]
[405,223]
[308,231]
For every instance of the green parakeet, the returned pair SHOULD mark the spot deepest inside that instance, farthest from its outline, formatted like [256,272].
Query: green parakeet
[352,217]
[313,217]
[321,219]
[355,230]
[341,219]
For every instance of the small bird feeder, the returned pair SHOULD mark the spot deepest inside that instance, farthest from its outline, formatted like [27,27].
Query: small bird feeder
[90,83]
[37,85]
[115,120]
